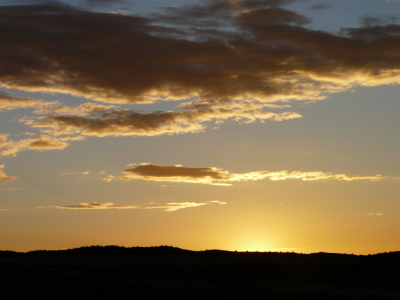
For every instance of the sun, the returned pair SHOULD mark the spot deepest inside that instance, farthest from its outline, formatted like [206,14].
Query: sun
[254,244]
[255,248]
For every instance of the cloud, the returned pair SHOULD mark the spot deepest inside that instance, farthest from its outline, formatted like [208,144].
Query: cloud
[87,174]
[266,44]
[40,143]
[321,6]
[211,12]
[102,2]
[95,205]
[168,207]
[81,173]
[4,178]
[182,205]
[215,176]
[81,110]
[175,206]
[305,176]
[8,102]
[125,122]
[369,21]
[270,16]
[110,178]
[176,173]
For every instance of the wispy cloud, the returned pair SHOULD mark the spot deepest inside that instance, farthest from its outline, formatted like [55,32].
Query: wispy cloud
[4,178]
[41,142]
[8,102]
[216,176]
[174,206]
[167,207]
[103,2]
[95,205]
[80,110]
[88,172]
[321,6]
[369,20]
[125,122]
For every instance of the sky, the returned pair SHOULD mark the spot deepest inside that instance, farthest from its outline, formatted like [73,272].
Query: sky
[259,125]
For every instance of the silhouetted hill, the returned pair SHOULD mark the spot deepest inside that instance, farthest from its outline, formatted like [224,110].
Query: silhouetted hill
[112,250]
[153,249]
[109,272]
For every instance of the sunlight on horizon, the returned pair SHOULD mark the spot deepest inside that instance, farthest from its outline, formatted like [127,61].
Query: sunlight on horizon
[254,244]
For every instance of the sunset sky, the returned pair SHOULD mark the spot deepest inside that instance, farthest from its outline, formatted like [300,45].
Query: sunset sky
[260,125]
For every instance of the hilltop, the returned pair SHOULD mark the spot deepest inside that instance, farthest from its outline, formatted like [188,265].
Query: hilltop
[106,272]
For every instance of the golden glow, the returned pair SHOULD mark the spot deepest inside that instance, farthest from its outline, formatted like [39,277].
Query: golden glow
[254,243]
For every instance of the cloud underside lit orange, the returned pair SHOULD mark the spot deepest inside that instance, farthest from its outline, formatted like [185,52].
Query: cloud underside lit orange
[40,142]
[167,207]
[215,176]
[4,178]
[267,54]
[9,103]
[246,61]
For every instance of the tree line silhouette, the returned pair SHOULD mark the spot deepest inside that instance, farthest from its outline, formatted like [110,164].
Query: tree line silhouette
[111,272]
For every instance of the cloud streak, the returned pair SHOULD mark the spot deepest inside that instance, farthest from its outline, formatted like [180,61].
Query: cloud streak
[8,102]
[95,205]
[130,123]
[168,207]
[215,176]
[320,6]
[40,143]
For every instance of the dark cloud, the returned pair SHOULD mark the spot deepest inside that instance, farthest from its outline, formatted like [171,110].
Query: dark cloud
[249,4]
[320,6]
[58,48]
[118,58]
[216,8]
[128,122]
[149,170]
[370,20]
[135,63]
[102,2]
[265,16]
[43,144]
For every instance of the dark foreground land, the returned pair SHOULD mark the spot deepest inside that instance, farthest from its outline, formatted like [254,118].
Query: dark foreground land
[165,272]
